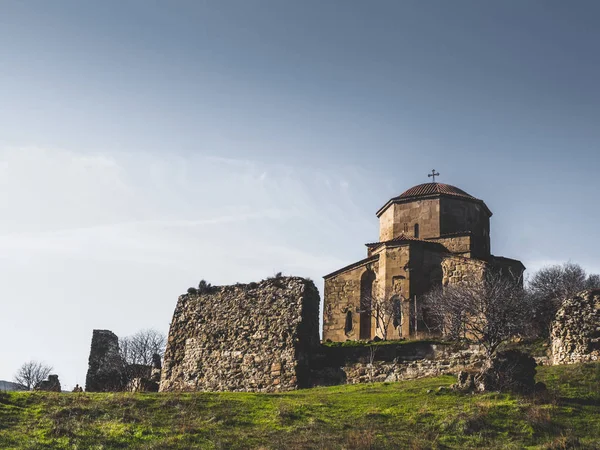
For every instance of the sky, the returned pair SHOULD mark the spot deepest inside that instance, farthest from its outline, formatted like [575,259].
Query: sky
[146,145]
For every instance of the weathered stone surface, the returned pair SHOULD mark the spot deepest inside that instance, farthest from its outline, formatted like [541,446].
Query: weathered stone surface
[509,371]
[408,362]
[144,378]
[465,381]
[256,337]
[106,368]
[50,385]
[576,329]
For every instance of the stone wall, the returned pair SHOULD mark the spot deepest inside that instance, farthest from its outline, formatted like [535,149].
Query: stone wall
[458,215]
[457,269]
[342,292]
[255,337]
[458,244]
[576,329]
[400,218]
[347,365]
[106,368]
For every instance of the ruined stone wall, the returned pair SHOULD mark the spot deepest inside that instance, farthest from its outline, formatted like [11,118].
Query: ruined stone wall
[255,337]
[393,362]
[106,368]
[576,329]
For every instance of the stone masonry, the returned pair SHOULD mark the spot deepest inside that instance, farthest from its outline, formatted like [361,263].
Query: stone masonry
[443,360]
[106,368]
[248,337]
[576,329]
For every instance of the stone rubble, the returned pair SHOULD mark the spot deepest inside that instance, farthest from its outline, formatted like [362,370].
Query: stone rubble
[576,329]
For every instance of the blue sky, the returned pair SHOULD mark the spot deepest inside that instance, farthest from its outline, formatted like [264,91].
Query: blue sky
[145,145]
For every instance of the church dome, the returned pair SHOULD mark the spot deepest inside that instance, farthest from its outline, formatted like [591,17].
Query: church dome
[427,189]
[432,190]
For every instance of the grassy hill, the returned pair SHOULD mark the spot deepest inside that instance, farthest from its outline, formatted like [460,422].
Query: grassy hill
[412,414]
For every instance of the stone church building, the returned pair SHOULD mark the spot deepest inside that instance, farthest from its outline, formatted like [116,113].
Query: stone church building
[433,234]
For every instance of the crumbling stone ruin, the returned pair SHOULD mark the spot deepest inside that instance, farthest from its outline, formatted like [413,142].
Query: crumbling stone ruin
[106,368]
[576,329]
[508,371]
[108,372]
[142,378]
[50,385]
[247,337]
[391,362]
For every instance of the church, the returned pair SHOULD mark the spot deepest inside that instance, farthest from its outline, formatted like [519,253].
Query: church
[433,234]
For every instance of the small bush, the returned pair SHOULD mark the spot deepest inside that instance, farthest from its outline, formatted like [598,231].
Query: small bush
[539,418]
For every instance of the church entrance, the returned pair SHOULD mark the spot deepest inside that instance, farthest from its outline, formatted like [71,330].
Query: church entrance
[366,303]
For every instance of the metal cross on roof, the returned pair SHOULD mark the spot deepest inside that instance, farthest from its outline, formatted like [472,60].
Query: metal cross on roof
[434,174]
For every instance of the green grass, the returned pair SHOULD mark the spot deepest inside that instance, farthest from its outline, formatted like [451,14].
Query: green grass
[405,415]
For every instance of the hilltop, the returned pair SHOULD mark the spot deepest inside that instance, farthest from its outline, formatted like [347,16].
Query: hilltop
[419,414]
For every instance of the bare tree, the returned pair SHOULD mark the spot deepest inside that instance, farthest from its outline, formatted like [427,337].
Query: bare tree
[141,347]
[486,312]
[385,310]
[31,373]
[551,285]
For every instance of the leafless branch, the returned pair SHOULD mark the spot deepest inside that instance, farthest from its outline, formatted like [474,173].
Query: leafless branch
[486,312]
[31,373]
[141,347]
[385,310]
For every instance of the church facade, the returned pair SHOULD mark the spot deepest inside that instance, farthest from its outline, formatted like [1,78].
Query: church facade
[433,234]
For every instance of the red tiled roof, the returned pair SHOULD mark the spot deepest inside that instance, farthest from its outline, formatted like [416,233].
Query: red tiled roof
[434,189]
[431,190]
[398,239]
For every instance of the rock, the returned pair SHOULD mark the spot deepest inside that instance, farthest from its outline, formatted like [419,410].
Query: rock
[509,371]
[465,382]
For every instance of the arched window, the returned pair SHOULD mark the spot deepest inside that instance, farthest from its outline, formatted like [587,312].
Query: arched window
[416,230]
[348,324]
[366,296]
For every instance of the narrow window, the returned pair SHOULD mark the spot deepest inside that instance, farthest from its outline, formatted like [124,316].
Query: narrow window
[348,325]
[406,228]
[416,230]
[397,312]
